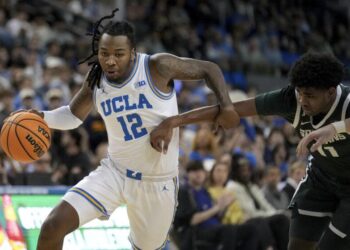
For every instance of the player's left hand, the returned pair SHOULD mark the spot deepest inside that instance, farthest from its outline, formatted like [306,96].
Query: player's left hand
[320,137]
[228,117]
[161,136]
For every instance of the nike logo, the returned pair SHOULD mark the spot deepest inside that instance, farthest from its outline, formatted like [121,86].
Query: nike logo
[303,123]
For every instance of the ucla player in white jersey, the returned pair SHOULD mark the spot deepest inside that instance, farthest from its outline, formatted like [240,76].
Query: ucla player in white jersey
[133,93]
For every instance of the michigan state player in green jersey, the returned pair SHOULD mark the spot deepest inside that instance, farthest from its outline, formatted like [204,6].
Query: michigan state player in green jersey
[314,98]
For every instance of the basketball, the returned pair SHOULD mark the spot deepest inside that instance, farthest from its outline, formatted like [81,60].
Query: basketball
[25,137]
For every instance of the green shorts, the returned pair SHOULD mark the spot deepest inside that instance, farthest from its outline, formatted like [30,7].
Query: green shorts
[320,204]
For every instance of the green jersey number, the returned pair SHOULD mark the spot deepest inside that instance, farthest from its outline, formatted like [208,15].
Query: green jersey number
[330,150]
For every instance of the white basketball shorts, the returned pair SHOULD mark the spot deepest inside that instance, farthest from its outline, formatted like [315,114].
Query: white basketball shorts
[150,203]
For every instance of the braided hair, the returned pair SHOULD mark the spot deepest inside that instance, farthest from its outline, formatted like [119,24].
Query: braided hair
[112,28]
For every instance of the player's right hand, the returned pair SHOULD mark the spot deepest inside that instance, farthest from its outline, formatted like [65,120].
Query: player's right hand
[227,117]
[320,136]
[161,136]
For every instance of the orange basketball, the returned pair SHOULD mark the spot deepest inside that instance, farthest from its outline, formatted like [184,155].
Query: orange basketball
[25,137]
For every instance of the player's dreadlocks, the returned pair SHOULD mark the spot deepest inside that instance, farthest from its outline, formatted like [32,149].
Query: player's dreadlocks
[112,28]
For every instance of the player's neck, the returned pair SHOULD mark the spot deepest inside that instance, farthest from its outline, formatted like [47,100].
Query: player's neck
[329,105]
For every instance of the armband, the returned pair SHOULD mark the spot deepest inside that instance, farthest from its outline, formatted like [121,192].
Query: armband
[340,127]
[62,118]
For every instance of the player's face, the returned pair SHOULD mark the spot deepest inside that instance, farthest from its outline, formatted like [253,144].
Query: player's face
[315,101]
[116,56]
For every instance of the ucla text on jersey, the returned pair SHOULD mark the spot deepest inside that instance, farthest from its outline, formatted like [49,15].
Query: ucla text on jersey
[121,103]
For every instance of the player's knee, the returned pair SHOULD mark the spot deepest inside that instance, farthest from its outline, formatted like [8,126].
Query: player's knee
[333,238]
[52,228]
[61,221]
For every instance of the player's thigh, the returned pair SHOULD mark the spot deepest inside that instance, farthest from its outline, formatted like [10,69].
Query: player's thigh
[97,195]
[313,197]
[312,207]
[151,208]
[337,235]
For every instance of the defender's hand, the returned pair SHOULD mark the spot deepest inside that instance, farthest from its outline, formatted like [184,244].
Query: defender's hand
[161,136]
[320,137]
[228,117]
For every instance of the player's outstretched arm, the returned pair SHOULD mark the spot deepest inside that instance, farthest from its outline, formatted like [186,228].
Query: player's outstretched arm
[168,67]
[161,135]
[321,136]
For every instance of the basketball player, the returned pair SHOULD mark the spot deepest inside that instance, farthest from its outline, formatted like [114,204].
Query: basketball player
[315,98]
[133,93]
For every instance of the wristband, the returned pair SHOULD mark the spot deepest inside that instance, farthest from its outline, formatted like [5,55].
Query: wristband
[340,127]
[61,118]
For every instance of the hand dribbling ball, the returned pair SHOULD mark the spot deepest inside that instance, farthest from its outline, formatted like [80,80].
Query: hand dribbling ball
[25,137]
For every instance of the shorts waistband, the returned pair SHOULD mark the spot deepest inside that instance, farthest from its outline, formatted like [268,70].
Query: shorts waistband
[139,176]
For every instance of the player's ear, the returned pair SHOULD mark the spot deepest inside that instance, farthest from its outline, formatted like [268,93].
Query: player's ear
[332,91]
[133,54]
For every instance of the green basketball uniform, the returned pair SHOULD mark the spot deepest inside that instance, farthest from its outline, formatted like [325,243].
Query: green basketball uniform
[324,194]
[333,157]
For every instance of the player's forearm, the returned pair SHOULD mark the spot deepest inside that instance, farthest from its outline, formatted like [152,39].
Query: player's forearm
[205,114]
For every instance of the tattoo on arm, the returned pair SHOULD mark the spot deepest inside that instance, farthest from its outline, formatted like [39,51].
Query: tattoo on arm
[172,67]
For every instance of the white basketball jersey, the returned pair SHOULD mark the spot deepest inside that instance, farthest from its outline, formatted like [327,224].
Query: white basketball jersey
[131,110]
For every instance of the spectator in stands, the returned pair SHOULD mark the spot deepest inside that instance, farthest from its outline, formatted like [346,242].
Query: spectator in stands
[280,159]
[40,174]
[54,98]
[96,129]
[6,103]
[254,204]
[198,217]
[296,173]
[277,198]
[75,160]
[3,171]
[205,146]
[218,179]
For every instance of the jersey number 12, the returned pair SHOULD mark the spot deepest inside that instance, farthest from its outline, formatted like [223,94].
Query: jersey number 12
[136,130]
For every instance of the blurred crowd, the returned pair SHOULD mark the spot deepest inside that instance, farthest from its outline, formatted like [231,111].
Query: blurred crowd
[39,69]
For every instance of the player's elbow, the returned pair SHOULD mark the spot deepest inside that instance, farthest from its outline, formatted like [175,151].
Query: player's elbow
[209,67]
